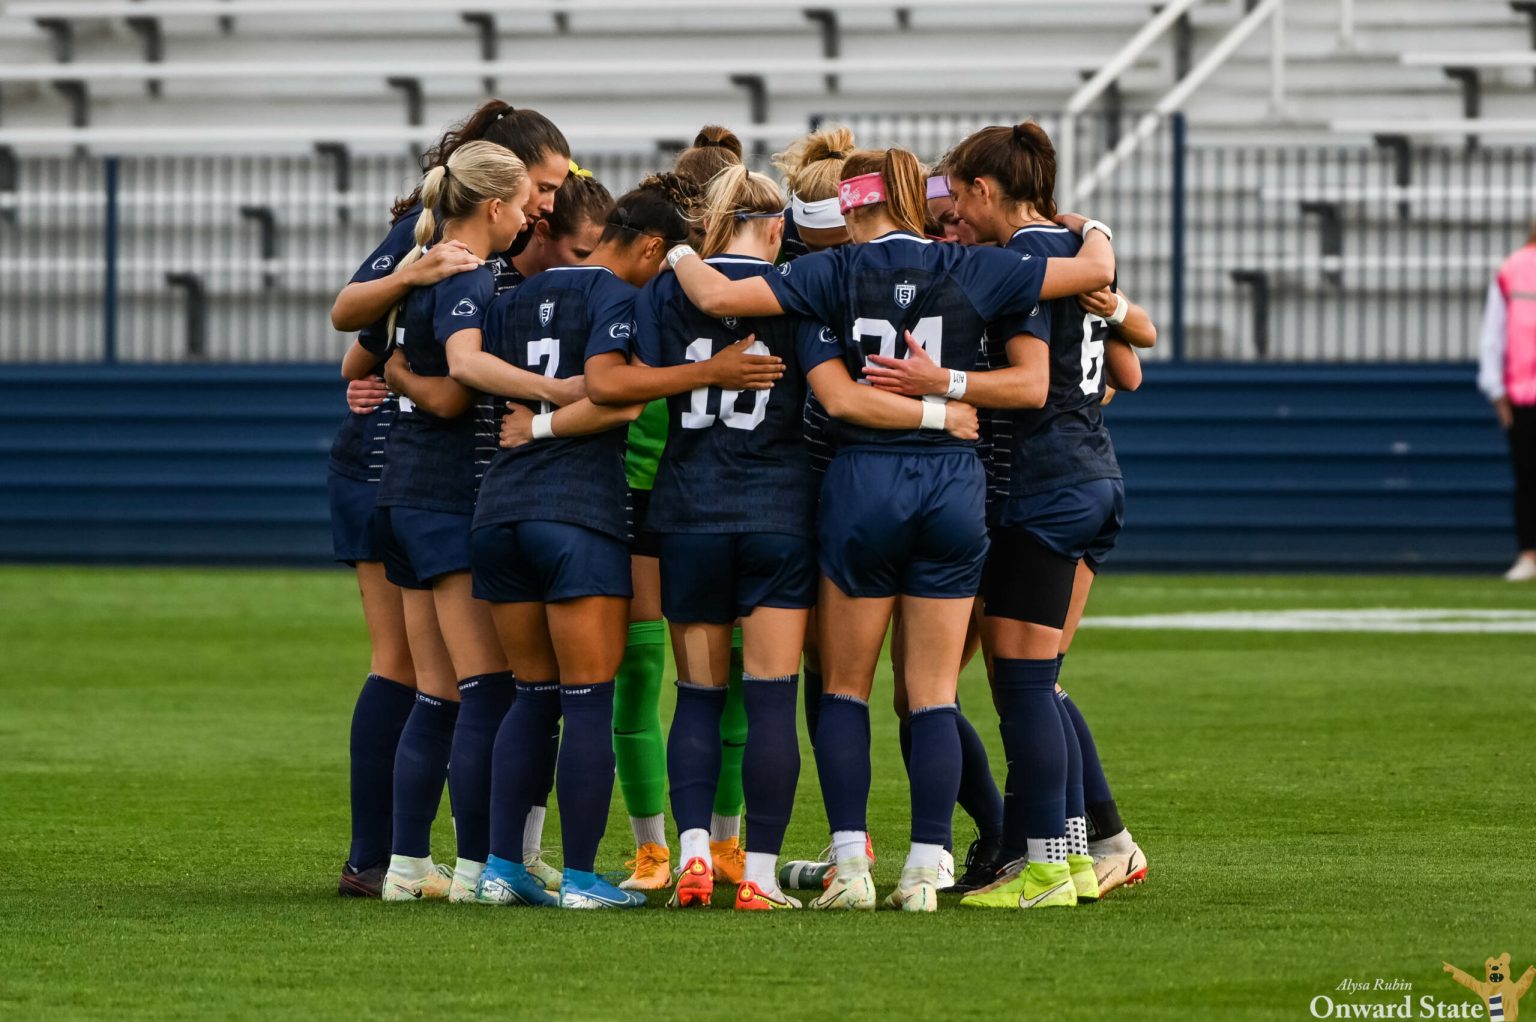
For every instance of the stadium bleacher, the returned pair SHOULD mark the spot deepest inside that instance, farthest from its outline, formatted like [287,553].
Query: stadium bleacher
[1321,181]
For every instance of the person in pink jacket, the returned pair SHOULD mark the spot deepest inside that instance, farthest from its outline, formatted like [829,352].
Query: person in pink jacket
[1507,377]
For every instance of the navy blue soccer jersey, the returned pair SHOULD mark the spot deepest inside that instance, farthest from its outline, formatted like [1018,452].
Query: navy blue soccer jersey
[430,461]
[735,461]
[1065,442]
[551,324]
[357,451]
[870,295]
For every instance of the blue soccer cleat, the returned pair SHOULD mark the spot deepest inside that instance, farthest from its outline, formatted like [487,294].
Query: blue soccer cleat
[509,883]
[588,890]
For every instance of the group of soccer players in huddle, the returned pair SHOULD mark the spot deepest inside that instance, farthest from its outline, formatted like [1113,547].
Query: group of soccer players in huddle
[779,424]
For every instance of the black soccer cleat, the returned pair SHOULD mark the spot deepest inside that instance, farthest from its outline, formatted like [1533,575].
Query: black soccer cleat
[983,865]
[362,883]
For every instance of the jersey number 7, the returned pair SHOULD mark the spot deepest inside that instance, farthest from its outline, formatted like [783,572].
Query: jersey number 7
[540,350]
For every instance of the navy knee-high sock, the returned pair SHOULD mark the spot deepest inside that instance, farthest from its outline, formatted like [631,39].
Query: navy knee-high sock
[842,760]
[1035,745]
[770,764]
[483,702]
[1103,815]
[904,739]
[421,767]
[584,778]
[1074,759]
[520,762]
[546,784]
[693,754]
[381,712]
[812,703]
[935,773]
[978,794]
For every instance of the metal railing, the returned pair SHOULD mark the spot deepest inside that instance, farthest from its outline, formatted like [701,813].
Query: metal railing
[1258,253]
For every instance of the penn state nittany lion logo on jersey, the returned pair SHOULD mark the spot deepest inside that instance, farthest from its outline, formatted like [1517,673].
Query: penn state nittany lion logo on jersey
[546,311]
[384,262]
[905,293]
[465,308]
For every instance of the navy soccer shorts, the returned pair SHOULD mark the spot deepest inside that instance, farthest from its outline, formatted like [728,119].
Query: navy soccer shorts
[904,522]
[1078,522]
[1038,542]
[420,546]
[546,562]
[355,536]
[714,578]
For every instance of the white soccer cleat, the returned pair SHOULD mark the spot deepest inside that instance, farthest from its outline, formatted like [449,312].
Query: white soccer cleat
[917,892]
[1523,570]
[411,883]
[542,871]
[466,880]
[946,870]
[850,888]
[1120,867]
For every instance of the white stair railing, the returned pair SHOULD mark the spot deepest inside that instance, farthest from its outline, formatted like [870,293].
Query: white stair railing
[1089,92]
[1272,11]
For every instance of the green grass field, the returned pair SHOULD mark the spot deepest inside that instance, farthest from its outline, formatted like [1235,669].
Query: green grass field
[1315,806]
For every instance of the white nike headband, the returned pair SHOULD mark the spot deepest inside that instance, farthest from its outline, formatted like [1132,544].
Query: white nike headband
[823,214]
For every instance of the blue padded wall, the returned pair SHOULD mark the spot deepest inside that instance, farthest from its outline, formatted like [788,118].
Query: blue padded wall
[1226,466]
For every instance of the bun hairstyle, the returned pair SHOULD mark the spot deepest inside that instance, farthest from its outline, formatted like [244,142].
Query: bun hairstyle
[736,192]
[474,173]
[663,205]
[530,136]
[579,201]
[813,166]
[714,149]
[906,185]
[1021,159]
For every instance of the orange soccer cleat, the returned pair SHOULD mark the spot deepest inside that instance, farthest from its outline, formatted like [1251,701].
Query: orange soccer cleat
[750,898]
[652,869]
[729,860]
[695,885]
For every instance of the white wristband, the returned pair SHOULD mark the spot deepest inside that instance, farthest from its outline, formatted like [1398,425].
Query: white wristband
[1122,309]
[1097,225]
[544,426]
[679,253]
[933,415]
[957,383]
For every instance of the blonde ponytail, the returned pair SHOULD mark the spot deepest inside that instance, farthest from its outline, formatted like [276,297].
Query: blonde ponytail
[812,166]
[736,194]
[906,185]
[475,172]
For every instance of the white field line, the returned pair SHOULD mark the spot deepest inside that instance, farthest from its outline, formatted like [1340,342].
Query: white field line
[1372,619]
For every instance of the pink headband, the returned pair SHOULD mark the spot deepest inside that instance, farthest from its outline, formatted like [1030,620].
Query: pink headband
[864,190]
[938,187]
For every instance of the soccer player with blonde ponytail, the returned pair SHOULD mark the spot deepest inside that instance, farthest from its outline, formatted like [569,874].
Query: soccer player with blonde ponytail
[902,515]
[427,495]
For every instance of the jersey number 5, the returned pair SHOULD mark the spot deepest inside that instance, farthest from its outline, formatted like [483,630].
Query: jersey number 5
[698,415]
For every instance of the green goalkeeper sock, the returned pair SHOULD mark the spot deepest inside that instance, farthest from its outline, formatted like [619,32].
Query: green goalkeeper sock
[639,750]
[733,739]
